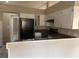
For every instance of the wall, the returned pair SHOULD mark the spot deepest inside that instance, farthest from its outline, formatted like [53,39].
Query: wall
[61,48]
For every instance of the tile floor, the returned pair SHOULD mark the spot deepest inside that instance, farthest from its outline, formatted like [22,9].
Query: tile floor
[3,52]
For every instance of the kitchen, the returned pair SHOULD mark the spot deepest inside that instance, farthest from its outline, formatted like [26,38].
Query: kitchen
[56,28]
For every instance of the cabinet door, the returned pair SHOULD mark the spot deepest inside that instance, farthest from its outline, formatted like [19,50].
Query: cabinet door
[57,18]
[66,18]
[42,20]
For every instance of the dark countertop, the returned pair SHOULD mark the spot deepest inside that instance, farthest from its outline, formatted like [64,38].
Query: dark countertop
[55,36]
[51,34]
[59,35]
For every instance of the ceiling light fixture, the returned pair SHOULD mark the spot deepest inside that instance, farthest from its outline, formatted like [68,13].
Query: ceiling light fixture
[7,1]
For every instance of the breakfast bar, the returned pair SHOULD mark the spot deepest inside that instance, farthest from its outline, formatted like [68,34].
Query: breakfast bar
[59,48]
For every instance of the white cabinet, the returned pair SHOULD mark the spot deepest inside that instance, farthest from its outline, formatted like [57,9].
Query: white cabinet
[57,19]
[34,16]
[23,15]
[66,18]
[42,20]
[63,18]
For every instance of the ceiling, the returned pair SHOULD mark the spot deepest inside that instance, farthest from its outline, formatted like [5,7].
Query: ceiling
[31,4]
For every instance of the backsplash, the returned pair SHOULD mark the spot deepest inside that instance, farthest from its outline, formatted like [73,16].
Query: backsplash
[69,32]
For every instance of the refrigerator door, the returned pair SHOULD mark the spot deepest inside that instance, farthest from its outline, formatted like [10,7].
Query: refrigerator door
[26,28]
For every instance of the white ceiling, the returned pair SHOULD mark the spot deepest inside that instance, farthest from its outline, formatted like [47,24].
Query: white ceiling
[31,4]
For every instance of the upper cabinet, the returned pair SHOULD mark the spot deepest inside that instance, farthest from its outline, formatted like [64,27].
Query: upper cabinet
[42,20]
[39,19]
[66,18]
[23,15]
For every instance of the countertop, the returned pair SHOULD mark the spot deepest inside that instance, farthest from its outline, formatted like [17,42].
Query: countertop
[66,48]
[51,34]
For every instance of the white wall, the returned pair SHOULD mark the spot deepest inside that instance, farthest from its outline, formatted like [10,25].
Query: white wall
[61,48]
